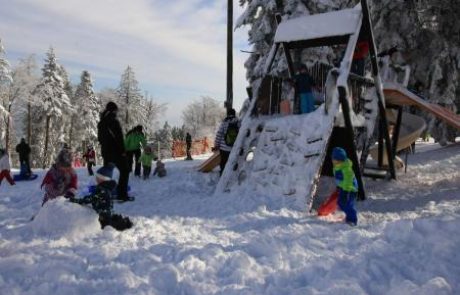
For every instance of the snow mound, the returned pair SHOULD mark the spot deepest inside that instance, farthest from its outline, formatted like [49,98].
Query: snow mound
[60,218]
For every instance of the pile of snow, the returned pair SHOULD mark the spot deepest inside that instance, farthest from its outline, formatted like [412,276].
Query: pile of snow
[60,218]
[185,240]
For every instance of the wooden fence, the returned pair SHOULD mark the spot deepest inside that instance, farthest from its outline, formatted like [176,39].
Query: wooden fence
[199,146]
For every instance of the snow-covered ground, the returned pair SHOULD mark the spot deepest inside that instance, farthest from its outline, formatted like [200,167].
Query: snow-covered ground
[185,240]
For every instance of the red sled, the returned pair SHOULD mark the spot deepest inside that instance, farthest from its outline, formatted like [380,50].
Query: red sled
[330,205]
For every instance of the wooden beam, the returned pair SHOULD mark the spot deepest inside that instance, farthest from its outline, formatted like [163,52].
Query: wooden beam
[396,132]
[349,127]
[378,83]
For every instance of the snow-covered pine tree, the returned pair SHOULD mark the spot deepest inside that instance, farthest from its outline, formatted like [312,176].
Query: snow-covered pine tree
[86,115]
[260,16]
[106,95]
[5,103]
[166,140]
[26,77]
[48,116]
[68,114]
[178,133]
[427,34]
[131,109]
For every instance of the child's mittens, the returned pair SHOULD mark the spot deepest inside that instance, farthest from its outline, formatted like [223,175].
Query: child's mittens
[69,195]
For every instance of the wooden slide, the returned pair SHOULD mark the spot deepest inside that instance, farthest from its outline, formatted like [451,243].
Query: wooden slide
[411,129]
[210,164]
[411,126]
[396,94]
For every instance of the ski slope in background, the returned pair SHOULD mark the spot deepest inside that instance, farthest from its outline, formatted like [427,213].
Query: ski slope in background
[187,241]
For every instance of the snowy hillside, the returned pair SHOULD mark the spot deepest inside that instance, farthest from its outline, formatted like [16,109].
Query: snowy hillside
[187,241]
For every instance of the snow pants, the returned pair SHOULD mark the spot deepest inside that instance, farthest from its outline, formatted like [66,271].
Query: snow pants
[346,202]
[6,174]
[90,168]
[122,165]
[146,171]
[136,154]
[307,102]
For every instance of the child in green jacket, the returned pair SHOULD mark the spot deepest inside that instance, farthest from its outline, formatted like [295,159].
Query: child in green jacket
[146,161]
[347,185]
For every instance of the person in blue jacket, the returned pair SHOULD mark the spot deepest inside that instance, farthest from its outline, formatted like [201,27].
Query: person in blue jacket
[347,185]
[304,84]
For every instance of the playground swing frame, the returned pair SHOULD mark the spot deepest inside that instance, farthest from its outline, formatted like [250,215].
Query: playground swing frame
[365,34]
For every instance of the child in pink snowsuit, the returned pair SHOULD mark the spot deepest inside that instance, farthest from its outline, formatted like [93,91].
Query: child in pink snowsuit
[61,179]
[5,167]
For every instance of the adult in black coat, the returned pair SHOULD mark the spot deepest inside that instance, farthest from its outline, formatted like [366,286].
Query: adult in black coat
[110,136]
[23,150]
[188,142]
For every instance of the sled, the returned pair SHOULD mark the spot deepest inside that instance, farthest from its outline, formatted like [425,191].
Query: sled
[329,206]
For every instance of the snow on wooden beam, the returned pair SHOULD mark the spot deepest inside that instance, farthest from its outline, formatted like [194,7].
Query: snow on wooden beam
[330,24]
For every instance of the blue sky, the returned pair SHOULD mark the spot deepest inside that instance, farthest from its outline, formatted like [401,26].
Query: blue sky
[176,47]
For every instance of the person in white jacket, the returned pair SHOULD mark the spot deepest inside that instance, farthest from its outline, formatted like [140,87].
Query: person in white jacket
[5,167]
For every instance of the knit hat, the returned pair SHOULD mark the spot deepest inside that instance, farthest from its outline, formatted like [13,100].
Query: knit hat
[105,173]
[339,154]
[111,106]
[64,158]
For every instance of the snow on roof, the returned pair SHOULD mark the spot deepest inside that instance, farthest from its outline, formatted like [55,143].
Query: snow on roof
[336,23]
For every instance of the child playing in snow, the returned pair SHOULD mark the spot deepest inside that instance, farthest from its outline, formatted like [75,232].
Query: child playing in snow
[90,158]
[5,167]
[146,161]
[61,179]
[101,200]
[160,168]
[347,186]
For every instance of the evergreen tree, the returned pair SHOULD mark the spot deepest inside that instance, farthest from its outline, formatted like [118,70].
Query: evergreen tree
[106,95]
[26,78]
[68,119]
[54,105]
[426,34]
[178,133]
[166,140]
[86,115]
[5,102]
[260,16]
[130,100]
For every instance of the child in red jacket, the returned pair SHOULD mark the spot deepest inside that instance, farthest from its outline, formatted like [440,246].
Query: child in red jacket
[61,179]
[5,167]
[90,157]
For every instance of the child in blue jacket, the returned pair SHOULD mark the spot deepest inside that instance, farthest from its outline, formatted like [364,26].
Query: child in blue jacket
[347,186]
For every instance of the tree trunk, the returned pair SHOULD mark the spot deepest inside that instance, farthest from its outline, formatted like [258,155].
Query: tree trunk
[29,122]
[7,134]
[45,152]
[70,131]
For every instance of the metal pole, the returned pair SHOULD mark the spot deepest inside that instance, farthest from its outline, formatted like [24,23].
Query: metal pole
[229,100]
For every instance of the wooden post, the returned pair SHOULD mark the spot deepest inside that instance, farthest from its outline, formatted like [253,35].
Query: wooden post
[396,131]
[380,144]
[367,25]
[349,127]
[229,100]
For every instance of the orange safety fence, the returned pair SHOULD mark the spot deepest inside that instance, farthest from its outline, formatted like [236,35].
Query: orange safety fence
[199,146]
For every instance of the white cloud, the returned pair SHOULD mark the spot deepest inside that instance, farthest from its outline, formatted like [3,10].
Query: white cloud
[178,46]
